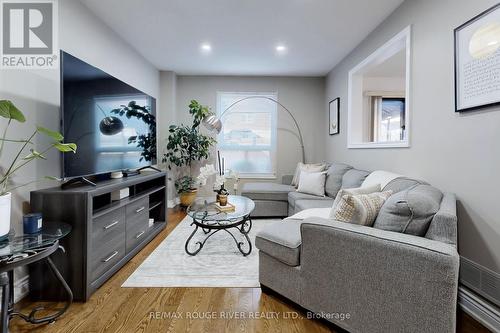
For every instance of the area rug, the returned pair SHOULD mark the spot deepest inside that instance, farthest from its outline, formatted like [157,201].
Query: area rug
[218,264]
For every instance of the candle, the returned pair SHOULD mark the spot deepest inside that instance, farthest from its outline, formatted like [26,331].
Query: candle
[218,157]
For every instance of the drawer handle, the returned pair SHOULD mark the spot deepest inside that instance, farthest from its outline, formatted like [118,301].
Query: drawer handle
[110,257]
[111,225]
[139,234]
[138,210]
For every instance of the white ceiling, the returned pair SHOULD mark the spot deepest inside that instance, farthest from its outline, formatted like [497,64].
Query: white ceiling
[243,33]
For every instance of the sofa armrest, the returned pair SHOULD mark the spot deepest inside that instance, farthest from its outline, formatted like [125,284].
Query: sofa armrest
[287,179]
[385,280]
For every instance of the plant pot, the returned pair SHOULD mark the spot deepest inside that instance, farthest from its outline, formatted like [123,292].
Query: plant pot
[187,198]
[5,204]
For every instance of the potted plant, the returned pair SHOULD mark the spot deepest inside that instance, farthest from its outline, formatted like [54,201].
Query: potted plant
[185,145]
[10,112]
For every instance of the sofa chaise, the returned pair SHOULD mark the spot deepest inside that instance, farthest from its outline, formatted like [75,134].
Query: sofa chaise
[363,279]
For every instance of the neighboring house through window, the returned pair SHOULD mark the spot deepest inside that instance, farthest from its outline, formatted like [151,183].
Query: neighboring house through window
[248,137]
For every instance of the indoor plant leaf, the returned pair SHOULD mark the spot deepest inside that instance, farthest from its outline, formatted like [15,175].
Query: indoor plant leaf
[53,134]
[10,111]
[65,147]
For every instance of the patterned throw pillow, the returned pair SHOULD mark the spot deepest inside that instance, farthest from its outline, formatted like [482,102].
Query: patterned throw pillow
[352,191]
[360,208]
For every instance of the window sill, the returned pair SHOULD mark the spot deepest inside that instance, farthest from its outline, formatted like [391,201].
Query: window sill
[257,176]
[371,145]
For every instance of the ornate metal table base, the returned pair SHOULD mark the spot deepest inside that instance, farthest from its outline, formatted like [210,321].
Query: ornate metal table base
[7,264]
[243,227]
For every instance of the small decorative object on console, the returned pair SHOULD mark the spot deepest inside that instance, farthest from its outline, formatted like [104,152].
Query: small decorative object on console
[32,223]
[120,194]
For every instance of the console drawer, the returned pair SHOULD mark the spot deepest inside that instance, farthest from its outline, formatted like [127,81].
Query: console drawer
[137,208]
[135,235]
[108,227]
[107,255]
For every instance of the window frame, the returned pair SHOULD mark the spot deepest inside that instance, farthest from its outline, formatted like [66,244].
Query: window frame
[274,132]
[354,125]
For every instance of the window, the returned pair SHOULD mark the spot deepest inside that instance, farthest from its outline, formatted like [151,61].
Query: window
[388,116]
[248,137]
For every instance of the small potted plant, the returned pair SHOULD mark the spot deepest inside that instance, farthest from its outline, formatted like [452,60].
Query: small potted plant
[186,190]
[26,154]
[185,145]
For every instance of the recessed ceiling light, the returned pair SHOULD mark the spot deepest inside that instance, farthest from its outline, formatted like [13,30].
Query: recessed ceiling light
[281,48]
[205,47]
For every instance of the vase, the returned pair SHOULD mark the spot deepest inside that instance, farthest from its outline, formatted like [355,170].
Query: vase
[220,192]
[187,198]
[5,204]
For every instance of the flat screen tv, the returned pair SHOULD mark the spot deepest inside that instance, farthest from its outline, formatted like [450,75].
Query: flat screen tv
[113,123]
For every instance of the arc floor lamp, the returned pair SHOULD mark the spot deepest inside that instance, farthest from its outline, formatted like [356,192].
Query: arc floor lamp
[214,123]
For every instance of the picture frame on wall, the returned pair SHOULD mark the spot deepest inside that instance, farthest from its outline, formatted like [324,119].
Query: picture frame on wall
[334,116]
[477,59]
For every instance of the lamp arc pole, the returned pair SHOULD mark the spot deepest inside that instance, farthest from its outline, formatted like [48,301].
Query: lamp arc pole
[210,122]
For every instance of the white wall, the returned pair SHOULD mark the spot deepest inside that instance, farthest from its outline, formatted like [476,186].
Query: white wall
[455,152]
[36,92]
[303,96]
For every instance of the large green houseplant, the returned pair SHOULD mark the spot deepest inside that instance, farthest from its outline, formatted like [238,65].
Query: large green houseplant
[25,154]
[185,145]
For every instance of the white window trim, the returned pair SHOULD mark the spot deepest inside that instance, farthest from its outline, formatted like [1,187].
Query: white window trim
[403,35]
[274,138]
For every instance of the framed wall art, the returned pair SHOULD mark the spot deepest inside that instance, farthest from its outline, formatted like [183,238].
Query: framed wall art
[334,116]
[477,61]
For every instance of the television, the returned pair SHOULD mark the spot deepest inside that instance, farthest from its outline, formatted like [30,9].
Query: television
[112,123]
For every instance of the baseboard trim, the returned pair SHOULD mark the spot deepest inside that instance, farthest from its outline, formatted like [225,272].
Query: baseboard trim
[479,309]
[173,203]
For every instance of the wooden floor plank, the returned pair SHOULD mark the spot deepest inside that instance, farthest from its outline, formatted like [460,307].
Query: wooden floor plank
[116,309]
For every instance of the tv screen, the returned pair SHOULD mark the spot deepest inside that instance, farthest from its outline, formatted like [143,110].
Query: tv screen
[113,124]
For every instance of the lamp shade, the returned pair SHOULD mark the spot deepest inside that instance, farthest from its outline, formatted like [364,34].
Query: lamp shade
[213,124]
[111,125]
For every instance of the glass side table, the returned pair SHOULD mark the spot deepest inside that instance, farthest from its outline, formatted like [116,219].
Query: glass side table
[24,249]
[206,216]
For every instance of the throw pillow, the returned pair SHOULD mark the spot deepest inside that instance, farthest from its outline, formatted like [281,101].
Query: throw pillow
[316,167]
[352,191]
[360,208]
[410,211]
[312,183]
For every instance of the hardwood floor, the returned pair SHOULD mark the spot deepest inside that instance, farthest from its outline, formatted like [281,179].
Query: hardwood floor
[116,309]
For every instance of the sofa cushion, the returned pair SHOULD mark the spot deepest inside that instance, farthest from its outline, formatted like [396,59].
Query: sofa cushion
[310,167]
[306,204]
[312,183]
[354,178]
[380,177]
[402,183]
[294,196]
[267,191]
[410,211]
[334,178]
[281,240]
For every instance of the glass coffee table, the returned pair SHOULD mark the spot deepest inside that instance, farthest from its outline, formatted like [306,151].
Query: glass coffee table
[210,220]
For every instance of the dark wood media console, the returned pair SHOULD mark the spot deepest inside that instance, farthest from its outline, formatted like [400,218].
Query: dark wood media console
[106,234]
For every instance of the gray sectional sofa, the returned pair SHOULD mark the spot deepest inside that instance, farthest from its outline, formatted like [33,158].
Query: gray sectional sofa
[281,200]
[363,279]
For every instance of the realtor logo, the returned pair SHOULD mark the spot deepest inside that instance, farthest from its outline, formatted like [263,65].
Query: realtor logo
[29,34]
